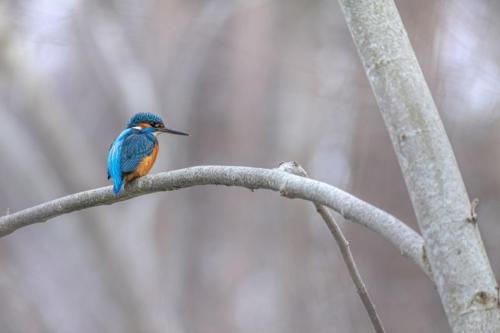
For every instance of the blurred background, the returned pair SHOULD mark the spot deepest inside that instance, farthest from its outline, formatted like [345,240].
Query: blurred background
[255,82]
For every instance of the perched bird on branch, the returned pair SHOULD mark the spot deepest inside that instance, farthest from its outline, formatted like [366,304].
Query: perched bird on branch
[134,151]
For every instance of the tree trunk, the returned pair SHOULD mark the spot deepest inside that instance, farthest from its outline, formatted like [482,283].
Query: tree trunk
[458,261]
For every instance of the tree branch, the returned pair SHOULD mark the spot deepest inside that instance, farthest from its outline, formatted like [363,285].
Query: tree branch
[460,267]
[408,242]
[351,266]
[345,250]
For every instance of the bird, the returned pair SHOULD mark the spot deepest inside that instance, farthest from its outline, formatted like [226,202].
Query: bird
[133,152]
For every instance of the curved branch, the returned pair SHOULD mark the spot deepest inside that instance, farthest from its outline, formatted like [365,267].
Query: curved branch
[399,234]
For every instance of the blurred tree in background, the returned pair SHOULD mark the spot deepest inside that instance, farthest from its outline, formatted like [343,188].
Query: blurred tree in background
[254,82]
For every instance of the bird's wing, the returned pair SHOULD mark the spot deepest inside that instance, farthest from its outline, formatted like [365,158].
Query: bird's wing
[114,159]
[135,147]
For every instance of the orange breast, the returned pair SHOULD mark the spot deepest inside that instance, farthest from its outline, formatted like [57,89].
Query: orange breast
[143,167]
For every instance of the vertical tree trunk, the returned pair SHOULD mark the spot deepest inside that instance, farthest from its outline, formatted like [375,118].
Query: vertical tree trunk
[459,264]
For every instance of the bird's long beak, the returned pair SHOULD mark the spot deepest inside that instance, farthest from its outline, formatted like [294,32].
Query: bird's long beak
[171,131]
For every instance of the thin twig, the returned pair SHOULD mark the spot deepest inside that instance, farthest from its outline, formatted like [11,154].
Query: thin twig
[408,242]
[343,244]
[351,266]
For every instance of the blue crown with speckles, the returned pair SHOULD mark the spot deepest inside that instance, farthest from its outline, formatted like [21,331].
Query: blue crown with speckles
[143,117]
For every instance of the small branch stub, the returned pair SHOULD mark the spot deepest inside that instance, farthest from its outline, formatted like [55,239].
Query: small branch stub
[472,218]
[295,169]
[498,296]
[292,167]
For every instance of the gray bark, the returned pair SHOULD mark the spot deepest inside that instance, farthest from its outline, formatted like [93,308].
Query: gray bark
[408,242]
[459,264]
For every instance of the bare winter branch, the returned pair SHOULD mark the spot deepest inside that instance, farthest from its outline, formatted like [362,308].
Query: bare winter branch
[408,242]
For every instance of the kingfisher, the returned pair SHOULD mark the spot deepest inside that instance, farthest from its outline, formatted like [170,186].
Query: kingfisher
[134,151]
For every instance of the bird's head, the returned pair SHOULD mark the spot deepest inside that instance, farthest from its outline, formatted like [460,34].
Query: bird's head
[151,123]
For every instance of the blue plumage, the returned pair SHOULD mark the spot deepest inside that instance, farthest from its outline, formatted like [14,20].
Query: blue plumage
[127,151]
[144,117]
[136,144]
[135,147]
[114,160]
